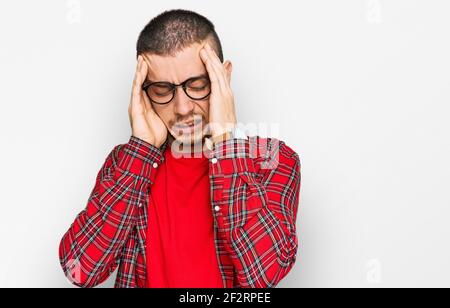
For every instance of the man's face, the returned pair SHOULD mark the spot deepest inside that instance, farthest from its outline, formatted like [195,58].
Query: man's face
[182,110]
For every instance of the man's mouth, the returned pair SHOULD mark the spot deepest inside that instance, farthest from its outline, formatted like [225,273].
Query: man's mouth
[188,127]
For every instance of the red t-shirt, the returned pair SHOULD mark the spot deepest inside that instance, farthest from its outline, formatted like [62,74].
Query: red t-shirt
[181,252]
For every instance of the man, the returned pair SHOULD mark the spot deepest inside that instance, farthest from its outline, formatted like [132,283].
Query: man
[181,204]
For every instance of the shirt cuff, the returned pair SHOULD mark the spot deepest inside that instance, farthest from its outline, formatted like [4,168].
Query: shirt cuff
[141,158]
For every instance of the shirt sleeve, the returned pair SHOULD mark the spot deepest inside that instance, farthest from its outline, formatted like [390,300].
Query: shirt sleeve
[255,195]
[89,251]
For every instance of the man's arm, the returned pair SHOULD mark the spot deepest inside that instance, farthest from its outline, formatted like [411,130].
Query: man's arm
[256,208]
[90,249]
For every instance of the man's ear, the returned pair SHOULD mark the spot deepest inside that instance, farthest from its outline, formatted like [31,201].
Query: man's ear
[228,69]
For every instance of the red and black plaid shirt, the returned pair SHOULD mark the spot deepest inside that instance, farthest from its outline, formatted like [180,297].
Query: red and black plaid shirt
[255,186]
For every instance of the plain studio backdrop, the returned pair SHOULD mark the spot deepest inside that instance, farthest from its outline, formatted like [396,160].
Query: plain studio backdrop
[359,88]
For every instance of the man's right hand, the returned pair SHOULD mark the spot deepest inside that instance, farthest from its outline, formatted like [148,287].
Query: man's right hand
[145,123]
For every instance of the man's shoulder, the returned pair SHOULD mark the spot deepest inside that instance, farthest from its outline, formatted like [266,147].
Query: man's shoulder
[270,150]
[272,144]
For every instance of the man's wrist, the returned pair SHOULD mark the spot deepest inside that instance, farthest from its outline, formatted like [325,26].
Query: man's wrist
[222,137]
[150,141]
[234,133]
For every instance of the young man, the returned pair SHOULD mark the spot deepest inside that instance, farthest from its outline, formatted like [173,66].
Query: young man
[181,204]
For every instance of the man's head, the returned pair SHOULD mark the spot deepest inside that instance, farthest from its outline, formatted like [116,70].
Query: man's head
[170,44]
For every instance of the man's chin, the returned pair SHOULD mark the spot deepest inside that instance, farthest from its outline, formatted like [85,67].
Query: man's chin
[189,139]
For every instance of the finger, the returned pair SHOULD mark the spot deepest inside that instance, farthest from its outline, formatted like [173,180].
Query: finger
[213,64]
[138,62]
[145,98]
[215,58]
[144,70]
[134,92]
[142,74]
[137,89]
[218,66]
[146,102]
[216,61]
[217,69]
[136,75]
[215,83]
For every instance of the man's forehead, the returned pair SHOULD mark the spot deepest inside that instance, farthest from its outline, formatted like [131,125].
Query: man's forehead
[182,66]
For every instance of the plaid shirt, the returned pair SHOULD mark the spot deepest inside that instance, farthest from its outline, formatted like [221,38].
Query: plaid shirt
[255,184]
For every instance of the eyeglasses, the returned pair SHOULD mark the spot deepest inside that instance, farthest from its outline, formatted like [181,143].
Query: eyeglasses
[162,93]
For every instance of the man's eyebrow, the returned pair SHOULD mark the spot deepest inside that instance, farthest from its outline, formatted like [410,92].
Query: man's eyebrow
[198,76]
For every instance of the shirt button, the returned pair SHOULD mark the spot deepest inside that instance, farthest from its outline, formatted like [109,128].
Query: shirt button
[155,165]
[217,208]
[214,160]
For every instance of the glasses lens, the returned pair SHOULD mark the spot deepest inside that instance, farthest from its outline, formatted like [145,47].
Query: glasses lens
[160,93]
[198,88]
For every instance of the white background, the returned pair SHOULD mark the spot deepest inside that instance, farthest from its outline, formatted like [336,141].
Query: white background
[359,88]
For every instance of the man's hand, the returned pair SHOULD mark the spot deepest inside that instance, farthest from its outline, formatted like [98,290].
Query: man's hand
[222,114]
[145,123]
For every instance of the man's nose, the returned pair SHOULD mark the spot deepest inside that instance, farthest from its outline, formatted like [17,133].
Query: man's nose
[183,104]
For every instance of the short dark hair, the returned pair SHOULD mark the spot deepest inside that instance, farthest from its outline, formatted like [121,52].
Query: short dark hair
[174,30]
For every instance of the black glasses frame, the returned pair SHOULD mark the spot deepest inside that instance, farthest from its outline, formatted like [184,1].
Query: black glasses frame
[174,88]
